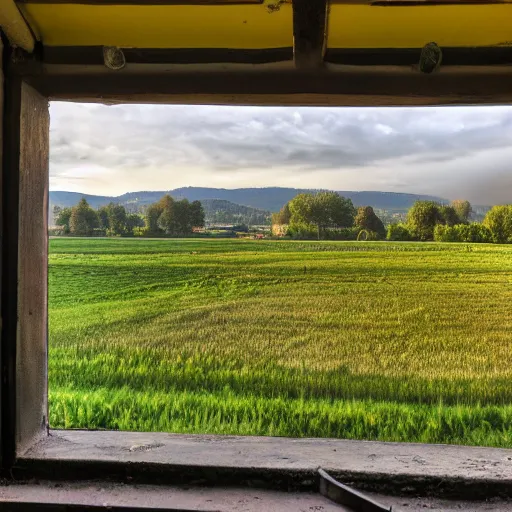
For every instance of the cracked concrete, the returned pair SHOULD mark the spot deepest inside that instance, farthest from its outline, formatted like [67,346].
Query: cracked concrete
[420,460]
[214,499]
[278,463]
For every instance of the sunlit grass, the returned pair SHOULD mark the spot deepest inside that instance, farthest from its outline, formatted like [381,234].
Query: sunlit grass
[391,341]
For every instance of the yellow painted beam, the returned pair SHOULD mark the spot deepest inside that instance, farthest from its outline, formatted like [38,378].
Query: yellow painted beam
[14,26]
[259,27]
[158,26]
[363,26]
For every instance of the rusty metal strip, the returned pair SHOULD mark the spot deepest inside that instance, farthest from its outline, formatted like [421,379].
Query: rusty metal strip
[344,495]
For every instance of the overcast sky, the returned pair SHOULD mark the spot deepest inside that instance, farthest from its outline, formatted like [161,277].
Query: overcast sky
[456,152]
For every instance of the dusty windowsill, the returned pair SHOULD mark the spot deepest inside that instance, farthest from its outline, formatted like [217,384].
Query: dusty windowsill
[109,495]
[271,462]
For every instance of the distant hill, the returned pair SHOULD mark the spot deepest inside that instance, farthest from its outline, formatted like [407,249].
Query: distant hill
[65,199]
[220,211]
[268,198]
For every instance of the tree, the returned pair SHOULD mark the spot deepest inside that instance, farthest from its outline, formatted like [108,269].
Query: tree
[283,216]
[333,210]
[398,233]
[367,220]
[55,213]
[116,219]
[445,233]
[134,220]
[323,210]
[62,217]
[174,217]
[422,219]
[182,217]
[153,213]
[499,222]
[103,217]
[301,207]
[463,210]
[196,214]
[112,218]
[448,216]
[469,233]
[83,219]
[166,219]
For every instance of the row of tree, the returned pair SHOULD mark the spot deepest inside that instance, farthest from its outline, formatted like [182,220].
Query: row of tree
[171,217]
[327,215]
[424,216]
[324,215]
[428,220]
[82,220]
[318,212]
[166,216]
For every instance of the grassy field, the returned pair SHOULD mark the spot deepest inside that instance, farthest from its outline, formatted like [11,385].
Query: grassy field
[389,341]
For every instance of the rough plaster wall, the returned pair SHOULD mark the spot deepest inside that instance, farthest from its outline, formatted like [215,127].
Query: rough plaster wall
[31,356]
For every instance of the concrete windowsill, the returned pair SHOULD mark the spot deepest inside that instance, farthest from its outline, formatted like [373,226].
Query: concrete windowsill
[272,462]
[109,495]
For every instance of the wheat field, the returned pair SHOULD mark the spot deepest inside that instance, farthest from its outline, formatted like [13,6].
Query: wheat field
[357,340]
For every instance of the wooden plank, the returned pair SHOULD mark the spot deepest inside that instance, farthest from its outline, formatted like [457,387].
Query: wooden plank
[483,56]
[24,262]
[31,357]
[452,56]
[24,266]
[353,85]
[241,2]
[309,33]
[412,3]
[142,2]
[1,231]
[14,26]
[423,3]
[9,296]
[93,55]
[449,25]
[233,26]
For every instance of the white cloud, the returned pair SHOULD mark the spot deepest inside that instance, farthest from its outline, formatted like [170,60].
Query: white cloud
[447,152]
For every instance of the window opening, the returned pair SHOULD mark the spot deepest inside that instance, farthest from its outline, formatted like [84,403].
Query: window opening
[303,272]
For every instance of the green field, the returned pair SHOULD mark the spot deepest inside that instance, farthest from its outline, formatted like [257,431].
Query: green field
[389,341]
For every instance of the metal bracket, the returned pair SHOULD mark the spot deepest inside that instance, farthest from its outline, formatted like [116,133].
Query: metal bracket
[344,495]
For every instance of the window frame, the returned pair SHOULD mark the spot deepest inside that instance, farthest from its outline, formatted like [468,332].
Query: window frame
[27,88]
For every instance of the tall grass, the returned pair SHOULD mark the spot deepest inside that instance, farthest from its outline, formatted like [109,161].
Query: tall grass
[403,342]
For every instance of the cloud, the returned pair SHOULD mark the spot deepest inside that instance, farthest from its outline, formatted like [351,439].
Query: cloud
[131,147]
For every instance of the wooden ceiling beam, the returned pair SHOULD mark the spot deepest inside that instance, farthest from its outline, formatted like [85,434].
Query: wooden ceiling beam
[351,85]
[309,33]
[141,2]
[15,27]
[412,3]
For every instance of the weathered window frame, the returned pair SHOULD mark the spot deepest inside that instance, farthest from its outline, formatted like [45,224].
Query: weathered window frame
[28,86]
